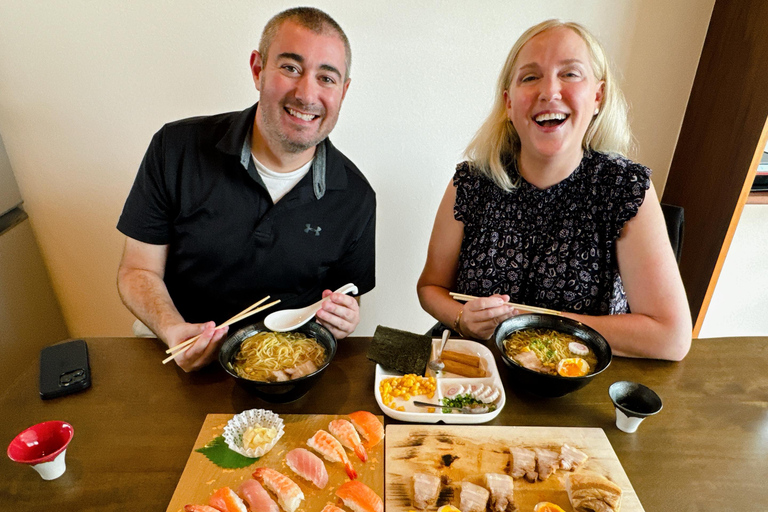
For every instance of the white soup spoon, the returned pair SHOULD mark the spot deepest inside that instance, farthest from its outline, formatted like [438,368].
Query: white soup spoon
[290,319]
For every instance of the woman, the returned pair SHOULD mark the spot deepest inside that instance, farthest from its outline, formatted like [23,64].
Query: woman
[548,211]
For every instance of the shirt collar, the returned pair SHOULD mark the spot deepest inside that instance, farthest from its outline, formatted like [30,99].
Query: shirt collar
[327,170]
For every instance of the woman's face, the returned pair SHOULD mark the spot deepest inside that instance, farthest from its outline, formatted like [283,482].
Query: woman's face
[552,97]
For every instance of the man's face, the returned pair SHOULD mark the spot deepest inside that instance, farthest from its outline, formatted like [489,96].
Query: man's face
[302,87]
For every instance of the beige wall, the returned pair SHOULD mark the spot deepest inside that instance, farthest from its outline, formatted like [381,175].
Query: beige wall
[85,83]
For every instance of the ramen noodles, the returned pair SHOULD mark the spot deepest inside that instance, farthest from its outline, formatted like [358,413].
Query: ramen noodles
[551,352]
[274,356]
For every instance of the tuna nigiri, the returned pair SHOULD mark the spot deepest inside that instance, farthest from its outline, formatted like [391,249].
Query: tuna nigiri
[226,500]
[359,497]
[369,427]
[345,432]
[330,448]
[288,492]
[308,466]
[257,497]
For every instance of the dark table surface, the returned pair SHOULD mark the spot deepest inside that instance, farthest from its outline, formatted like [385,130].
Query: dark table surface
[136,425]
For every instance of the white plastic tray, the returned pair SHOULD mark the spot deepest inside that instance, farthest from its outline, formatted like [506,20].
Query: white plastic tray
[415,414]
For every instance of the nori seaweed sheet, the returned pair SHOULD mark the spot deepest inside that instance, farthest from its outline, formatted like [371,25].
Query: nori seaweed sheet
[400,351]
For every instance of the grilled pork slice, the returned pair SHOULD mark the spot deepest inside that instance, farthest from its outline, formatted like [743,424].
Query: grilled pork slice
[571,458]
[502,488]
[473,498]
[532,362]
[523,464]
[547,462]
[590,492]
[425,490]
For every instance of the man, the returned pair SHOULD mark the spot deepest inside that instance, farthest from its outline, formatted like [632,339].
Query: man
[231,208]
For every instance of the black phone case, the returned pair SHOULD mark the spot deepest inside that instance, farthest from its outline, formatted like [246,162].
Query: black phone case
[64,369]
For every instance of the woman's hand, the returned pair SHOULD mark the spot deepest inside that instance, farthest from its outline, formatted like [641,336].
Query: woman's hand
[481,316]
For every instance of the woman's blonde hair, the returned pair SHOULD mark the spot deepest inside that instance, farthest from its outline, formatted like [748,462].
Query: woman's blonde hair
[497,144]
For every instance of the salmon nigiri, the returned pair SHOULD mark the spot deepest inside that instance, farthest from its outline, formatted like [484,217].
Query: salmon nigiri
[369,427]
[226,500]
[200,508]
[330,448]
[308,466]
[257,498]
[345,432]
[359,497]
[330,507]
[288,492]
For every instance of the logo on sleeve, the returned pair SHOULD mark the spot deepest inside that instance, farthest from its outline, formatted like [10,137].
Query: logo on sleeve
[316,230]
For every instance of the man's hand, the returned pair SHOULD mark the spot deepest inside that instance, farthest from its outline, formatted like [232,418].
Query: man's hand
[203,350]
[340,314]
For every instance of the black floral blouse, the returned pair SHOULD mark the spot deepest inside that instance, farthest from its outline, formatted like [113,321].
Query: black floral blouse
[553,248]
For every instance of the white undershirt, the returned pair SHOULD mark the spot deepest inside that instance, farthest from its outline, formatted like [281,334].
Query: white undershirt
[280,183]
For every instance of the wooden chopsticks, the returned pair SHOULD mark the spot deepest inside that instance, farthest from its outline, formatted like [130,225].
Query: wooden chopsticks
[532,309]
[183,347]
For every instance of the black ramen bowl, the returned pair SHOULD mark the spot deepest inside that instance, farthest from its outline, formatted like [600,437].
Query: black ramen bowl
[543,384]
[284,391]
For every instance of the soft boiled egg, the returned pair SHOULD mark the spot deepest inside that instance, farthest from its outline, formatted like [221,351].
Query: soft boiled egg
[572,367]
[546,506]
[448,508]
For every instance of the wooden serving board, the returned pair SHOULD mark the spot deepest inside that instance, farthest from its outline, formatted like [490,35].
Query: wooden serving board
[458,453]
[201,477]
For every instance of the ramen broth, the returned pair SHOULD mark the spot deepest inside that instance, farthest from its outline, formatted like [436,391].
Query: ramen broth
[549,346]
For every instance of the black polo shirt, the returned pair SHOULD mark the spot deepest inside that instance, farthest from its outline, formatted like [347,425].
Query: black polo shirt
[198,191]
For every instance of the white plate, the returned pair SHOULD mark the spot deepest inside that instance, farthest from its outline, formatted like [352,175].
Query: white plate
[415,414]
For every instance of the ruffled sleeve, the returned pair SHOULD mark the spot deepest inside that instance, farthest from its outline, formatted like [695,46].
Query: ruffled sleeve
[625,184]
[467,198]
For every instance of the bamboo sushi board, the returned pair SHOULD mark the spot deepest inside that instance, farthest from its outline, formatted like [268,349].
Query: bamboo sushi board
[457,453]
[201,477]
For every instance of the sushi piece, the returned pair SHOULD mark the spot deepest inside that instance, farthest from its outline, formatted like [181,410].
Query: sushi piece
[199,508]
[330,448]
[226,500]
[571,458]
[330,507]
[473,498]
[359,497]
[547,462]
[368,426]
[308,466]
[345,432]
[502,489]
[523,464]
[257,497]
[425,490]
[288,492]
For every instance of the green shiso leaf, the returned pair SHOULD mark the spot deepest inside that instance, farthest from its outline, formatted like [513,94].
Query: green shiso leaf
[219,453]
[400,351]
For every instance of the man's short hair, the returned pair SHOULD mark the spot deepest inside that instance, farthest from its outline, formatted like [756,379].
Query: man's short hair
[310,18]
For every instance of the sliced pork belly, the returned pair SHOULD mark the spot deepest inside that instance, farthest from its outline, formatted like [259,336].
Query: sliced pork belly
[473,498]
[591,492]
[571,458]
[301,370]
[502,488]
[547,462]
[523,464]
[425,490]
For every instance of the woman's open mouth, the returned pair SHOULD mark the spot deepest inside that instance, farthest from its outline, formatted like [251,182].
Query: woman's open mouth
[550,119]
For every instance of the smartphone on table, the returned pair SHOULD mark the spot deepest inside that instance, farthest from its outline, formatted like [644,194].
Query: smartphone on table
[64,369]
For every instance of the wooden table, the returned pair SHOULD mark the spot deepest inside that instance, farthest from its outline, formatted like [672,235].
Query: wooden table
[135,427]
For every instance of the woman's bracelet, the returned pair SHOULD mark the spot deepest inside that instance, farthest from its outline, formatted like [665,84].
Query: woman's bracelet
[457,323]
